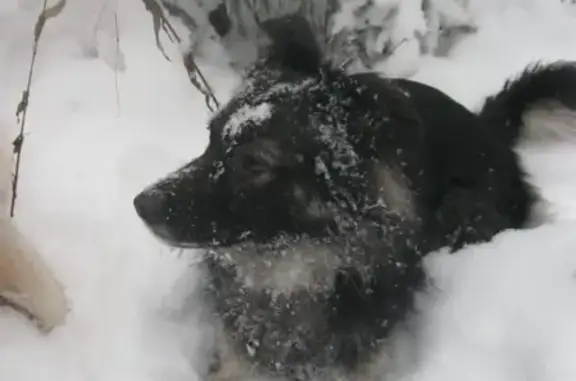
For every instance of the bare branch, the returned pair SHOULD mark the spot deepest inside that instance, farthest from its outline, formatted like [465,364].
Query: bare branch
[159,20]
[22,108]
[196,77]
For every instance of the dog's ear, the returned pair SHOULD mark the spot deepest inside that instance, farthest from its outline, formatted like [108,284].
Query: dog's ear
[220,20]
[293,43]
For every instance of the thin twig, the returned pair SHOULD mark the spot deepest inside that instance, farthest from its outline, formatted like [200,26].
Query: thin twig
[193,74]
[22,108]
[159,20]
[196,77]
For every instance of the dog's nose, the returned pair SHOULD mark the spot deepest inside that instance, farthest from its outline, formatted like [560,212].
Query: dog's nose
[149,207]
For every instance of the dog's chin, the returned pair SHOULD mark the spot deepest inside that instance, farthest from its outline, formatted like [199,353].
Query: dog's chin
[183,245]
[169,238]
[166,237]
[271,248]
[244,242]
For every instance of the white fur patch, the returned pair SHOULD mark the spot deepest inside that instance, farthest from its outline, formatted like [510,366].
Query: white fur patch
[546,123]
[302,265]
[393,192]
[245,114]
[549,122]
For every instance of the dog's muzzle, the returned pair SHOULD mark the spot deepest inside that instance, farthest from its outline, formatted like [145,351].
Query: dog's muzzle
[150,208]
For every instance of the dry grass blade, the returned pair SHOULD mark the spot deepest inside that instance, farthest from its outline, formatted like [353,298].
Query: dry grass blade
[197,79]
[22,108]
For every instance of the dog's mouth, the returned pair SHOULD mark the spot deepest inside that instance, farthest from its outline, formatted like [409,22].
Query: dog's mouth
[165,235]
[245,241]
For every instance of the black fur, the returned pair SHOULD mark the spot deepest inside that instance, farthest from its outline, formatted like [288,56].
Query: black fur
[220,20]
[295,49]
[372,173]
[504,111]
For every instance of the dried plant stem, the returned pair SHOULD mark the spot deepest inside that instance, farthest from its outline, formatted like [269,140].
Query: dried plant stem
[194,74]
[22,108]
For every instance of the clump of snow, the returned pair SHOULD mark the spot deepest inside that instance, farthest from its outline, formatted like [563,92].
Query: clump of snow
[248,115]
[501,311]
[393,35]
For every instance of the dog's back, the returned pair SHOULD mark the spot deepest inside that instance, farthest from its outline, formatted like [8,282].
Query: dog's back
[467,161]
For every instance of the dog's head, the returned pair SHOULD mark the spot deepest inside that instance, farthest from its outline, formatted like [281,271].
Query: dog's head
[287,158]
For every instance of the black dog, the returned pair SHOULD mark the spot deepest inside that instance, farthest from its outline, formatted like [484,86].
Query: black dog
[320,192]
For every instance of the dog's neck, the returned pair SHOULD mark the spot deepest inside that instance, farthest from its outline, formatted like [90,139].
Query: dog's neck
[290,301]
[306,264]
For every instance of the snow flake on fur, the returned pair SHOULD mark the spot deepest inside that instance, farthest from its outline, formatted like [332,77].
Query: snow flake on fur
[245,116]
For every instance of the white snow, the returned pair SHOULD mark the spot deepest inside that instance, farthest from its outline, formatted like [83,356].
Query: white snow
[246,116]
[505,311]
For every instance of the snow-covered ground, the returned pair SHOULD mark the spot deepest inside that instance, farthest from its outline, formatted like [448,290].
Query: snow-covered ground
[506,311]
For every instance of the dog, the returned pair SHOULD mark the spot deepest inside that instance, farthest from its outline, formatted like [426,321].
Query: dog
[26,282]
[320,192]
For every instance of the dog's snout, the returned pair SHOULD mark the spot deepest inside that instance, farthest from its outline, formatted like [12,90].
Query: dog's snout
[149,207]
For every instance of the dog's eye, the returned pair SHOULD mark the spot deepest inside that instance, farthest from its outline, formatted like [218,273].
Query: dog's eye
[252,165]
[251,170]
